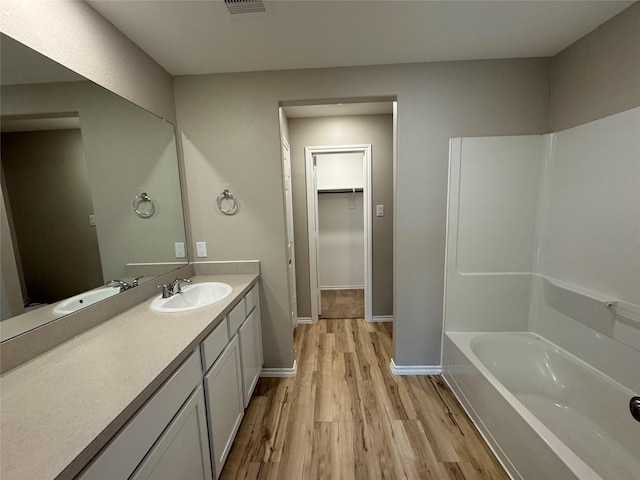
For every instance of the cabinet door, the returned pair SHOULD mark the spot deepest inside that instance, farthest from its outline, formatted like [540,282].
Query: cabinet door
[223,389]
[183,449]
[250,335]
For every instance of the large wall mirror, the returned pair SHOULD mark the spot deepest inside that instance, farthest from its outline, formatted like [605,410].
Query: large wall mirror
[90,192]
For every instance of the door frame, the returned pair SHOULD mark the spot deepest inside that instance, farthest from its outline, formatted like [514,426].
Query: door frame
[312,222]
[290,240]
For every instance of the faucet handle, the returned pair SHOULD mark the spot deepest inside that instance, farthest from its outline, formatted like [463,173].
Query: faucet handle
[165,290]
[135,281]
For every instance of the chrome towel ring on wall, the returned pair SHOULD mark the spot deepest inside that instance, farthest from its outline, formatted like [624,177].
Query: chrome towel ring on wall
[227,203]
[144,206]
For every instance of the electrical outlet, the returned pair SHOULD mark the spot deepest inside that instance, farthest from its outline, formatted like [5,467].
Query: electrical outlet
[180,251]
[379,210]
[201,249]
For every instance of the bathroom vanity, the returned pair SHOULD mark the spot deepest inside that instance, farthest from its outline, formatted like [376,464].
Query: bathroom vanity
[142,395]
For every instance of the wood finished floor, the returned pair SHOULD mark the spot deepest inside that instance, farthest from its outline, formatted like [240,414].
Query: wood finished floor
[346,416]
[342,303]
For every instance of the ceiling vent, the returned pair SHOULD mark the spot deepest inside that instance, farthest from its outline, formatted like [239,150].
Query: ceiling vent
[244,6]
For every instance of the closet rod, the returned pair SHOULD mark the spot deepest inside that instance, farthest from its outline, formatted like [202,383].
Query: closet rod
[341,190]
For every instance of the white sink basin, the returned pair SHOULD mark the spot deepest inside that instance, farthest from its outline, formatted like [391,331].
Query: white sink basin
[85,299]
[193,296]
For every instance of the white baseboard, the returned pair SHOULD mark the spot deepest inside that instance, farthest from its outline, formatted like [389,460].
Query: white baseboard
[415,369]
[280,372]
[381,318]
[306,320]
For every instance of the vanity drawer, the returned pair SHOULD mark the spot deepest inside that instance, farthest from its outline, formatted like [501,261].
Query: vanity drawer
[252,299]
[236,318]
[212,346]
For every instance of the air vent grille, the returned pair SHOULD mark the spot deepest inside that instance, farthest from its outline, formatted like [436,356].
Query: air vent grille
[244,6]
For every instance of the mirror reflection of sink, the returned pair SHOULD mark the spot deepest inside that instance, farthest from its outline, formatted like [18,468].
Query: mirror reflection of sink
[193,296]
[84,299]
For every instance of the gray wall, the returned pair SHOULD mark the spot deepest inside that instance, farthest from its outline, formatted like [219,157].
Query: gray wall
[48,189]
[340,240]
[363,129]
[76,36]
[230,136]
[598,75]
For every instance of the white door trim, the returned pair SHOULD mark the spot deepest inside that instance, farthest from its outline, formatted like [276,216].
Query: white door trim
[312,222]
[290,242]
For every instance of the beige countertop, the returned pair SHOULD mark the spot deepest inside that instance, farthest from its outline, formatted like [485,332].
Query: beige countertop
[58,410]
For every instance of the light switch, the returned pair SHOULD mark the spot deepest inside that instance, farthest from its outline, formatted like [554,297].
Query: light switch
[92,220]
[201,249]
[379,210]
[180,252]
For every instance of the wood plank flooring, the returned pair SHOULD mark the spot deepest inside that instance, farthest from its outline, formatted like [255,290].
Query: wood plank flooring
[346,416]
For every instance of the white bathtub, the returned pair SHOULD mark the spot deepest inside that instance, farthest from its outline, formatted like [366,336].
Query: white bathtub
[546,414]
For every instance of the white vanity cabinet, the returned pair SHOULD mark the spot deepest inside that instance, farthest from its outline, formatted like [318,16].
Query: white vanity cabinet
[225,408]
[250,336]
[165,439]
[231,373]
[186,429]
[183,449]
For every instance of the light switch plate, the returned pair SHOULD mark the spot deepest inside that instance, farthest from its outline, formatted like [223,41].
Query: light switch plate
[92,220]
[201,249]
[180,251]
[379,210]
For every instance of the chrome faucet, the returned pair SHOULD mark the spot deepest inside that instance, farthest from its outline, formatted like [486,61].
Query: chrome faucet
[175,286]
[119,283]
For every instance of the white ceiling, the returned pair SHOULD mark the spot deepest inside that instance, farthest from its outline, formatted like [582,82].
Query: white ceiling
[195,37]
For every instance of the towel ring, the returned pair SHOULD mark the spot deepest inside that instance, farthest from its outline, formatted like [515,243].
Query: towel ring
[228,198]
[144,206]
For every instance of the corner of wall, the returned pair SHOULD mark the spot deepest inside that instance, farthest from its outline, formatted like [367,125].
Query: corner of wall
[597,75]
[81,36]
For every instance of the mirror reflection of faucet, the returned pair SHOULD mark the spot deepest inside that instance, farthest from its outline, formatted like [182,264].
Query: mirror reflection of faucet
[124,286]
[118,283]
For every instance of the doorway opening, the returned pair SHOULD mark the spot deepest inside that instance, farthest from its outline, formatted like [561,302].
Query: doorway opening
[47,203]
[355,126]
[339,228]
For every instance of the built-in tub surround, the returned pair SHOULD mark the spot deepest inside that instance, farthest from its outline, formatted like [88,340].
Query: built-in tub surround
[546,413]
[543,238]
[61,408]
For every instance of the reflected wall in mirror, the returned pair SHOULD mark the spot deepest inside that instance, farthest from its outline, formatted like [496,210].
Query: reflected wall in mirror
[74,158]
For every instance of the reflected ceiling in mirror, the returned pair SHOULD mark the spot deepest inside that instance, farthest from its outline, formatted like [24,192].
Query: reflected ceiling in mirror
[90,192]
